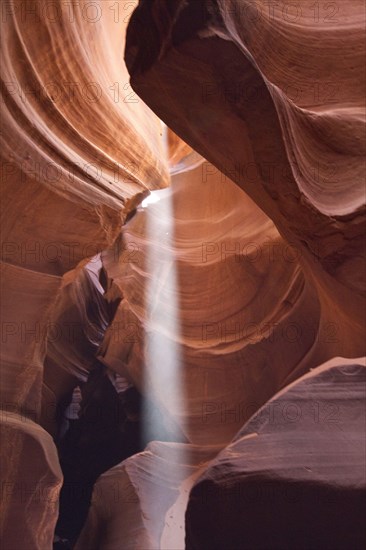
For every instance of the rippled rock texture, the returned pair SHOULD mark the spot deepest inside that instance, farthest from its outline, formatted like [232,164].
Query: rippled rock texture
[78,149]
[248,319]
[245,271]
[294,476]
[276,103]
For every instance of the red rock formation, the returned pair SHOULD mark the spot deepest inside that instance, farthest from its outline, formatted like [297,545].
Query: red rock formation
[294,476]
[30,483]
[78,320]
[247,318]
[243,287]
[76,154]
[284,122]
[140,503]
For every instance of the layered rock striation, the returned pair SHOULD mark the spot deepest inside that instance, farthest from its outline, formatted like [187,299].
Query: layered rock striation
[243,270]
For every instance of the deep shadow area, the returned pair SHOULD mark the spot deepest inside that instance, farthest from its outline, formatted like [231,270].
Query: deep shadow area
[107,431]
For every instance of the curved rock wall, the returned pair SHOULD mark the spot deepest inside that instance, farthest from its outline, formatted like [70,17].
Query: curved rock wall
[78,149]
[230,95]
[282,481]
[249,285]
[247,317]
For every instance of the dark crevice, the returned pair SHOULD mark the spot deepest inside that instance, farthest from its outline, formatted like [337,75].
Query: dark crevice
[157,25]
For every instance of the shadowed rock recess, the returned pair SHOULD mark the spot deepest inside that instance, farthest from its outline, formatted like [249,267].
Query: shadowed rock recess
[183,275]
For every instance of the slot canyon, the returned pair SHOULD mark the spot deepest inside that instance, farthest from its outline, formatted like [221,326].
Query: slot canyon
[183,275]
